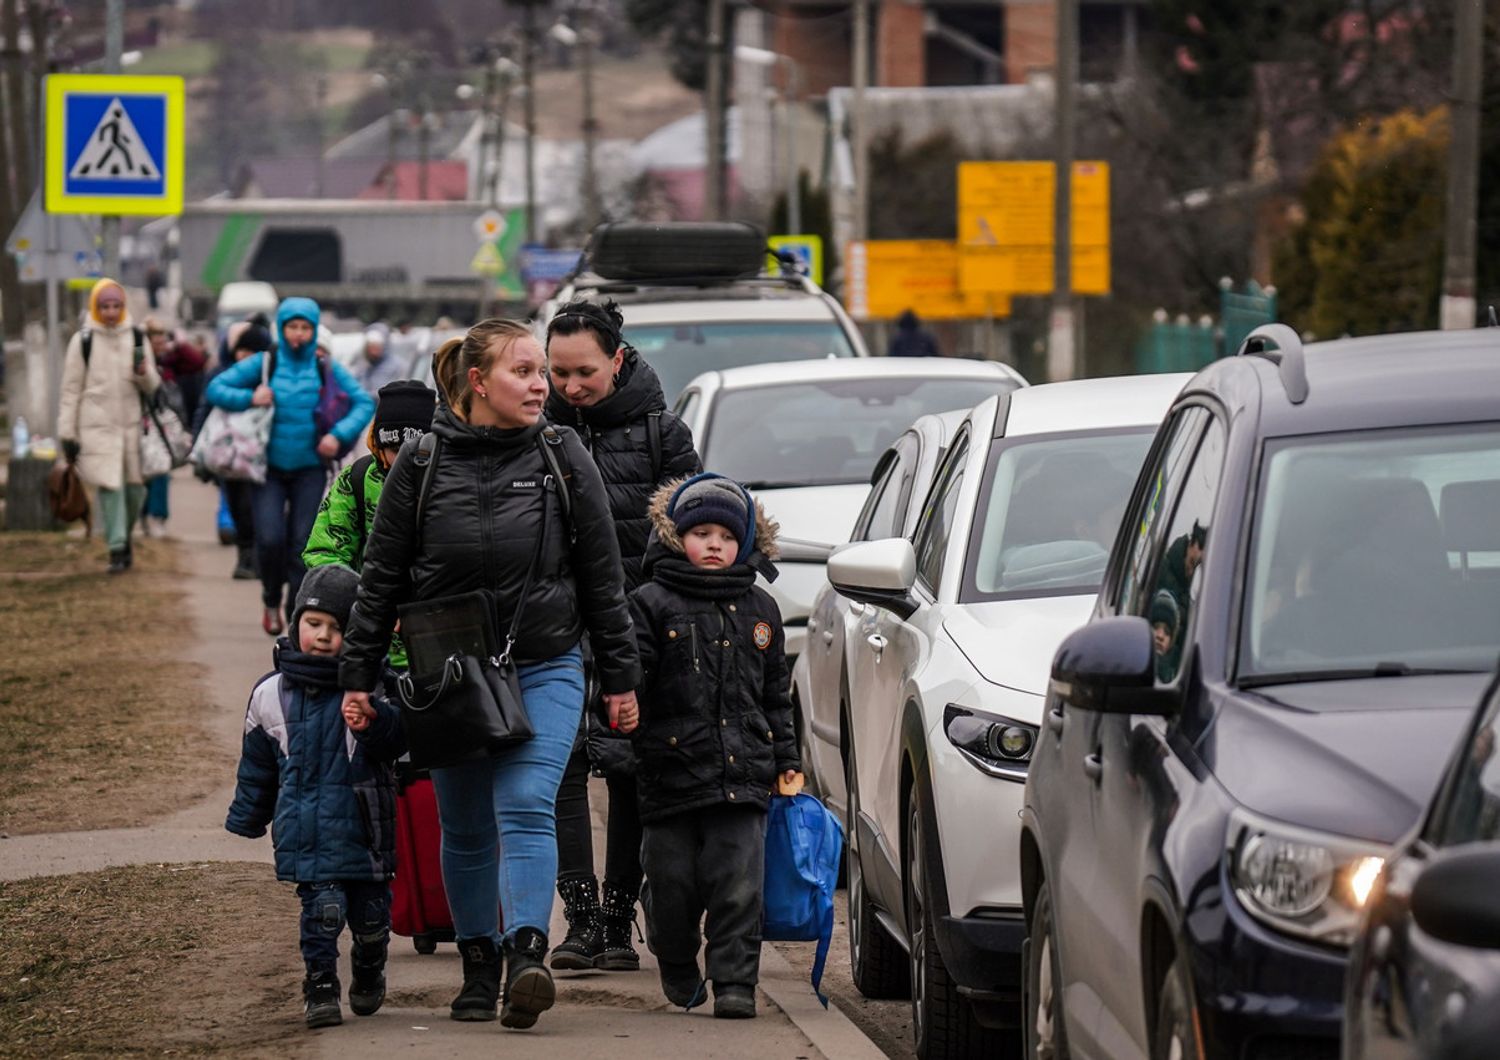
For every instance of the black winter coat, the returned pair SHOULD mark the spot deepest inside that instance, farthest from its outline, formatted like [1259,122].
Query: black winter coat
[616,432]
[489,490]
[716,718]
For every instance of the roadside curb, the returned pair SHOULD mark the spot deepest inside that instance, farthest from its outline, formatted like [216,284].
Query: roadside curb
[830,1031]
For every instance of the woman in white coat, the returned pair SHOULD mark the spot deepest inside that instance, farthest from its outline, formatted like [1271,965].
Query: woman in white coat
[99,422]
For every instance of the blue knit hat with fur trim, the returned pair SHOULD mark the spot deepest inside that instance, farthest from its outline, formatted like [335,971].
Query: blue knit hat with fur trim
[711,498]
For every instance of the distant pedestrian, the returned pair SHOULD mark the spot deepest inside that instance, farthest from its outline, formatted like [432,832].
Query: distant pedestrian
[716,733]
[911,339]
[332,801]
[380,363]
[287,502]
[154,284]
[605,390]
[99,420]
[242,339]
[497,518]
[180,365]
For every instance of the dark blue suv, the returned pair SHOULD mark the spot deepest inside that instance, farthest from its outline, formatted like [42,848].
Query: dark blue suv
[1298,617]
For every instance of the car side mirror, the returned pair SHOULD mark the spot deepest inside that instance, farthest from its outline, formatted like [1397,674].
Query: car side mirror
[877,572]
[1453,899]
[1109,665]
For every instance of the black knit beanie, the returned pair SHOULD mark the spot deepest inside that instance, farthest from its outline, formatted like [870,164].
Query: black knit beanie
[331,589]
[403,410]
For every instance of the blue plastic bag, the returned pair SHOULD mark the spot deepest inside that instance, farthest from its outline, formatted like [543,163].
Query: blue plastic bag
[804,843]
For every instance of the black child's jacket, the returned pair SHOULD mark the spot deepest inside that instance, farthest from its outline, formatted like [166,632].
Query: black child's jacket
[716,718]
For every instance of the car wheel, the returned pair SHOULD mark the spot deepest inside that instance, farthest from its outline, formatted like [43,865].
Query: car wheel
[1046,1033]
[942,1019]
[876,962]
[1175,1038]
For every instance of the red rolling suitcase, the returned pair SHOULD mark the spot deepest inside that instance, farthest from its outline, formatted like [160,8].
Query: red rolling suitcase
[419,905]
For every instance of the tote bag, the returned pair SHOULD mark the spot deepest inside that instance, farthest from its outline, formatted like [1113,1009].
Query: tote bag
[232,445]
[165,442]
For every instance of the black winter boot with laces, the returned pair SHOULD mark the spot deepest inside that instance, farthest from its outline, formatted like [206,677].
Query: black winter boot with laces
[320,990]
[583,944]
[481,992]
[529,990]
[367,984]
[617,920]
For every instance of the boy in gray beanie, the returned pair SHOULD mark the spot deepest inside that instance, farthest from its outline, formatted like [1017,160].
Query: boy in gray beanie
[332,800]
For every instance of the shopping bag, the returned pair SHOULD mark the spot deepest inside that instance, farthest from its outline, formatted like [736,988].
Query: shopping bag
[165,442]
[232,445]
[804,843]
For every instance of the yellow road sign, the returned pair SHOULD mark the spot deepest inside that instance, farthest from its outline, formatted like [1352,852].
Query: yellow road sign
[114,144]
[1005,227]
[808,251]
[883,278]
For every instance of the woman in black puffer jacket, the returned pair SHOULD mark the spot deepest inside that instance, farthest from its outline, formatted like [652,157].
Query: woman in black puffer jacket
[490,495]
[604,390]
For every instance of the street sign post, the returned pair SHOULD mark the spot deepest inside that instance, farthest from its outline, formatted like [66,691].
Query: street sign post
[114,144]
[1005,229]
[808,250]
[885,277]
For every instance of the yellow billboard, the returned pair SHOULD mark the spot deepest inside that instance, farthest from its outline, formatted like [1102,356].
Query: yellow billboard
[1005,227]
[885,277]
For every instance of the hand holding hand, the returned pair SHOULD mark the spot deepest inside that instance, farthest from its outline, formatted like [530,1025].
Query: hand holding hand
[263,396]
[328,447]
[357,711]
[624,711]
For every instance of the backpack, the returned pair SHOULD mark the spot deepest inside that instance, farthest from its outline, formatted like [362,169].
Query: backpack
[804,843]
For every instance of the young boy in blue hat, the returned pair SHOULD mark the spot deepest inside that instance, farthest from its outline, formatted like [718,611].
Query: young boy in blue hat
[715,733]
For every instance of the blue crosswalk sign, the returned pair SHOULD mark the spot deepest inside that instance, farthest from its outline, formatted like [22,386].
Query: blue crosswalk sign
[114,144]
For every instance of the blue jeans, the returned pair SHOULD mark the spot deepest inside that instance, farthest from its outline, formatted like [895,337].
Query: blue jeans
[499,815]
[285,508]
[365,905]
[156,497]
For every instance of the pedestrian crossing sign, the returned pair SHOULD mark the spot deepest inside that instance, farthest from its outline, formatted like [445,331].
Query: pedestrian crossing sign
[114,144]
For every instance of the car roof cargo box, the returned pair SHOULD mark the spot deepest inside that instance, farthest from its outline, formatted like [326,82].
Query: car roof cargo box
[689,250]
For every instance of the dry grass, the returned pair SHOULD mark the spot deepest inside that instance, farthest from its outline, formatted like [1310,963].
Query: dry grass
[98,710]
[185,960]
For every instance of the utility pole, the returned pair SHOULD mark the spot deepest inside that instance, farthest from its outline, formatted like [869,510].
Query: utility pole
[1459,308]
[861,130]
[793,184]
[1061,352]
[321,89]
[114,47]
[528,74]
[586,39]
[715,115]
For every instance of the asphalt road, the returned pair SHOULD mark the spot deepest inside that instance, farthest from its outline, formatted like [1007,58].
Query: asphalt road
[886,1023]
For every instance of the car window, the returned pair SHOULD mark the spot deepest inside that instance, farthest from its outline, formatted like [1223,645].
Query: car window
[826,432]
[883,506]
[1049,511]
[1470,809]
[936,524]
[1375,551]
[1179,577]
[679,352]
[687,405]
[1140,524]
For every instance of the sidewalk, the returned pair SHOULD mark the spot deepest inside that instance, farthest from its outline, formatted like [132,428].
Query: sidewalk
[619,1015]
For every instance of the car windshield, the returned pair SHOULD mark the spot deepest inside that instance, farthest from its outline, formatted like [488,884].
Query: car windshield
[825,433]
[1375,554]
[679,352]
[1049,513]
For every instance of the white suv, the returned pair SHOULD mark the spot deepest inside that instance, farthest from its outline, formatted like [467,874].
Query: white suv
[699,297]
[942,694]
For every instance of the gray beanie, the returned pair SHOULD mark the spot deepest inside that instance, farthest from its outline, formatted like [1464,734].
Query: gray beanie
[330,588]
[711,498]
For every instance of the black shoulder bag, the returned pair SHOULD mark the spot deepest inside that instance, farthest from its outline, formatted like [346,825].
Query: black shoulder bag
[461,699]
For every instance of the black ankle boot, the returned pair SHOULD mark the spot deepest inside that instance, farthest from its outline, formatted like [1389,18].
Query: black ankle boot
[617,918]
[367,984]
[244,565]
[583,944]
[481,992]
[321,992]
[529,990]
[119,561]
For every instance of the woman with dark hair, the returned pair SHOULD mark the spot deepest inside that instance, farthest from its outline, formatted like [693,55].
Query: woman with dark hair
[491,507]
[604,389]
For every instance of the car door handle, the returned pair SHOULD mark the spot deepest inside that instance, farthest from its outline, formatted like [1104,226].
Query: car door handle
[1056,720]
[1093,767]
[876,641]
[828,636]
[812,625]
[856,608]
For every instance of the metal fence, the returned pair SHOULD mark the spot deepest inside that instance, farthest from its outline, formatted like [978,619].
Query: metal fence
[1184,345]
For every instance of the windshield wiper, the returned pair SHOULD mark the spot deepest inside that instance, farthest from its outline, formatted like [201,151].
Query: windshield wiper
[1380,669]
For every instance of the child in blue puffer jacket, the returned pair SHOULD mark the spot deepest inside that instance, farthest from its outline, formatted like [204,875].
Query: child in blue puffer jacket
[331,795]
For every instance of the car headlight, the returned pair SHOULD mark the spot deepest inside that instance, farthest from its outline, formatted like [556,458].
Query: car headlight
[996,745]
[1300,882]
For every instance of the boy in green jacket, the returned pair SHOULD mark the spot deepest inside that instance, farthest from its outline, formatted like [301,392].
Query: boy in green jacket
[403,410]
